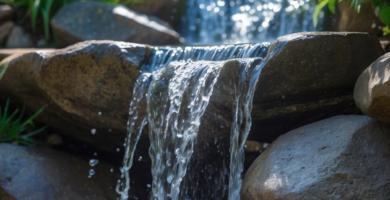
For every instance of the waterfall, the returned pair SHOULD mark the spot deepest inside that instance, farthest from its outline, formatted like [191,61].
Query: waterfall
[174,119]
[172,95]
[237,21]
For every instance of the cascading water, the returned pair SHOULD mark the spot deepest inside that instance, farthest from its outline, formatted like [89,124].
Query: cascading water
[237,21]
[177,98]
[174,119]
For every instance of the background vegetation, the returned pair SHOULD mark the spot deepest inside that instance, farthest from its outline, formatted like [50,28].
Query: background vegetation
[13,129]
[381,9]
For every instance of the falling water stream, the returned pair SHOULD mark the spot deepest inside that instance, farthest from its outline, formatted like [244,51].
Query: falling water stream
[197,101]
[172,94]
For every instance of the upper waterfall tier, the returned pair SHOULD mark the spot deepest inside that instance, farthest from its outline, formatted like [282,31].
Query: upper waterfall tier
[160,57]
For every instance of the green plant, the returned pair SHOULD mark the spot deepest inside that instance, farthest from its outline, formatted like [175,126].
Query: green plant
[381,8]
[15,130]
[43,9]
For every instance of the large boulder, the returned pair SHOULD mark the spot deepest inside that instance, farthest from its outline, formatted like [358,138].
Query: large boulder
[372,90]
[91,20]
[343,157]
[86,86]
[307,77]
[42,173]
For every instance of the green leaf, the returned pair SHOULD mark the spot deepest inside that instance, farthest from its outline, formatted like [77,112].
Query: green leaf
[384,14]
[317,11]
[34,12]
[386,30]
[331,5]
[46,17]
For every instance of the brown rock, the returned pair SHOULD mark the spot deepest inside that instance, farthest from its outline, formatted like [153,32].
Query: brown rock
[6,13]
[364,21]
[91,20]
[19,39]
[372,90]
[77,83]
[343,157]
[297,88]
[5,29]
[307,77]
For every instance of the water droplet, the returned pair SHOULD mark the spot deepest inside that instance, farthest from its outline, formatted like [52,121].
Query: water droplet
[100,113]
[140,158]
[93,162]
[148,185]
[111,170]
[93,131]
[169,179]
[109,130]
[91,172]
[95,154]
[179,135]
[118,149]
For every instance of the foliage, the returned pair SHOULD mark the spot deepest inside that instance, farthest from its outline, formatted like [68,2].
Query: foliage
[381,8]
[43,9]
[15,130]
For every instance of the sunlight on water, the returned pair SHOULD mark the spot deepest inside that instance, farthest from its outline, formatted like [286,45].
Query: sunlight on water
[238,21]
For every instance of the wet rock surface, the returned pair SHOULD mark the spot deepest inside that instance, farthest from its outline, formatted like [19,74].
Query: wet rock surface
[78,83]
[84,87]
[343,157]
[91,20]
[42,173]
[372,90]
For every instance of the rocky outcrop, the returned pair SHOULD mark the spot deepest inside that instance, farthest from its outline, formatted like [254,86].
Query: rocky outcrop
[343,157]
[41,173]
[79,83]
[372,90]
[86,86]
[91,20]
[307,77]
